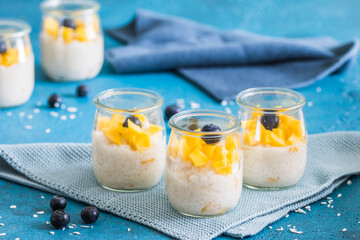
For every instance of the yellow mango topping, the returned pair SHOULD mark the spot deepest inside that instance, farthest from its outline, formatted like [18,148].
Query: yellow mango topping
[51,27]
[137,138]
[10,57]
[81,34]
[68,34]
[198,158]
[289,131]
[219,156]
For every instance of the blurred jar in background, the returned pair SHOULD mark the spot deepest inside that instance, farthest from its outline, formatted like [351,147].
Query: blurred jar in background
[16,63]
[72,43]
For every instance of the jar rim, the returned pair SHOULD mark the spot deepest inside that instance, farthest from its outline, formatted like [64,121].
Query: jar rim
[52,7]
[204,112]
[159,100]
[20,28]
[300,99]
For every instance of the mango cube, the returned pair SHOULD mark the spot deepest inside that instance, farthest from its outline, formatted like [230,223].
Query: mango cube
[68,34]
[113,135]
[102,122]
[198,158]
[153,129]
[51,27]
[230,143]
[81,34]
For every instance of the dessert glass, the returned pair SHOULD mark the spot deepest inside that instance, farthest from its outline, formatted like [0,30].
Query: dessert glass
[16,63]
[274,137]
[204,169]
[72,43]
[128,139]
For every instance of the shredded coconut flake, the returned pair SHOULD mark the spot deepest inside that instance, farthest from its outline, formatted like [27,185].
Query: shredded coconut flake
[48,130]
[328,197]
[40,212]
[323,203]
[332,207]
[270,227]
[287,215]
[310,104]
[9,114]
[2,234]
[84,226]
[228,110]
[54,114]
[13,206]
[348,182]
[63,106]
[35,215]
[36,110]
[52,233]
[338,214]
[47,223]
[43,196]
[295,231]
[76,233]
[70,227]
[1,224]
[128,229]
[318,89]
[339,195]
[289,225]
[280,229]
[28,127]
[300,211]
[308,208]
[344,230]
[72,116]
[22,114]
[17,238]
[224,103]
[194,105]
[38,103]
[63,117]
[72,109]
[30,116]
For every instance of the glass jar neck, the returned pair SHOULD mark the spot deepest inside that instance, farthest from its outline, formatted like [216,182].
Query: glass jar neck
[69,8]
[191,122]
[128,100]
[13,28]
[267,100]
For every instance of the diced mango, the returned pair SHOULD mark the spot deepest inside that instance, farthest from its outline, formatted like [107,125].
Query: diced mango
[51,27]
[142,141]
[112,134]
[224,171]
[276,141]
[79,23]
[249,138]
[230,143]
[208,150]
[153,129]
[233,157]
[133,128]
[68,34]
[279,132]
[198,158]
[81,34]
[119,118]
[102,122]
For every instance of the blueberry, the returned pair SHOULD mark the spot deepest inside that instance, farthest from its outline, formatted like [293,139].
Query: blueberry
[211,139]
[55,101]
[82,90]
[171,110]
[270,121]
[90,214]
[134,119]
[58,202]
[3,47]
[68,22]
[60,218]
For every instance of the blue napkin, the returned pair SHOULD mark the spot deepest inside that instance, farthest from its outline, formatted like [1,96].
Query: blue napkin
[65,168]
[224,63]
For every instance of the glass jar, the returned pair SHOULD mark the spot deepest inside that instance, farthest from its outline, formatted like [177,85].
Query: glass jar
[128,139]
[16,63]
[274,137]
[204,163]
[72,42]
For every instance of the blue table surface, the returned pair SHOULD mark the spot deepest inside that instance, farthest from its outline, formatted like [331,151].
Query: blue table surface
[333,104]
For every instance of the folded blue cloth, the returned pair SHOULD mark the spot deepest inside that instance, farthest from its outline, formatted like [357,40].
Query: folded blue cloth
[65,168]
[224,63]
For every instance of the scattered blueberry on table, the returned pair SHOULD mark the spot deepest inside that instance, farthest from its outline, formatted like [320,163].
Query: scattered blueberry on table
[211,139]
[69,23]
[270,121]
[60,219]
[133,119]
[55,100]
[82,91]
[3,47]
[171,110]
[90,214]
[57,203]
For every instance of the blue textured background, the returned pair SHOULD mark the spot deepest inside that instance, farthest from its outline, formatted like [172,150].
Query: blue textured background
[336,107]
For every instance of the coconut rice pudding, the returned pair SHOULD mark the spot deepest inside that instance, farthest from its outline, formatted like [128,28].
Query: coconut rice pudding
[204,170]
[16,63]
[274,143]
[72,43]
[128,149]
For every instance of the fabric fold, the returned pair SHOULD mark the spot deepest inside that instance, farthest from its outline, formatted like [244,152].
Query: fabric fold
[227,60]
[65,168]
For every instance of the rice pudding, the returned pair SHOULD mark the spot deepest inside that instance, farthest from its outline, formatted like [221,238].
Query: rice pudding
[203,175]
[72,43]
[127,156]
